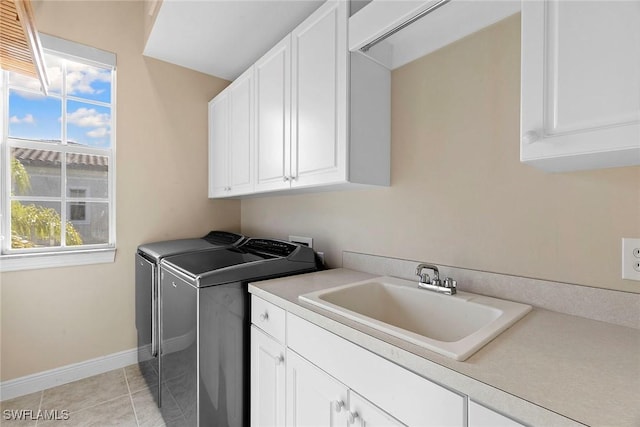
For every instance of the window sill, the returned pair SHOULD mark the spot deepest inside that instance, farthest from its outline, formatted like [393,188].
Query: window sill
[20,262]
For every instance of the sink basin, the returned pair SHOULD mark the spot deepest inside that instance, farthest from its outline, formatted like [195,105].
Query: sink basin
[455,326]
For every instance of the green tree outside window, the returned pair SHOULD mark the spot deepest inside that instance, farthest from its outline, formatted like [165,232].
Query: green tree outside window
[30,223]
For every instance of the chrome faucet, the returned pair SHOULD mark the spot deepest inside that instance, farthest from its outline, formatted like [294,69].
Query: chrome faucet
[447,287]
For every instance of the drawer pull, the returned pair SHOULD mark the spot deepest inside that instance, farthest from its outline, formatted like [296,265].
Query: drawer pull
[264,316]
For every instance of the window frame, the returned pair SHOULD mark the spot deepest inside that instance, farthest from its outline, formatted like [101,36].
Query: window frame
[46,257]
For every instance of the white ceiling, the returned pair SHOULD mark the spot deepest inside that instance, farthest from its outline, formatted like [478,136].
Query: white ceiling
[222,37]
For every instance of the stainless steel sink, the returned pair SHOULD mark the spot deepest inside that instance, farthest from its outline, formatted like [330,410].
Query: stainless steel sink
[453,325]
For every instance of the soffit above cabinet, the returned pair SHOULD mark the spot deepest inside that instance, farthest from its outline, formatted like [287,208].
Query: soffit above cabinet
[444,22]
[222,37]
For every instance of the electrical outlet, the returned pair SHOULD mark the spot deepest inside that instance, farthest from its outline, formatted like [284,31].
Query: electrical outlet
[631,259]
[306,241]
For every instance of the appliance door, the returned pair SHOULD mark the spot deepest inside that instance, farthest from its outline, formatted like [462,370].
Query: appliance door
[224,355]
[147,320]
[179,344]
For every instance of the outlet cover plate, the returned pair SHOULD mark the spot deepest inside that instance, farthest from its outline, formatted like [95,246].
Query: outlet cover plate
[630,259]
[307,241]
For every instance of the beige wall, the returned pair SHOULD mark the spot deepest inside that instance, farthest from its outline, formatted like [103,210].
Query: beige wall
[54,317]
[459,194]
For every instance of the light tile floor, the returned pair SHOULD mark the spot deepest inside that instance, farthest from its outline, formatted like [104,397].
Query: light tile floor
[116,398]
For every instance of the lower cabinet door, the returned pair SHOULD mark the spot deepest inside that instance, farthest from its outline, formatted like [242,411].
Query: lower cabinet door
[267,380]
[314,398]
[363,413]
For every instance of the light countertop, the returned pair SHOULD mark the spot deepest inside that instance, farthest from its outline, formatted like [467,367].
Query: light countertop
[584,370]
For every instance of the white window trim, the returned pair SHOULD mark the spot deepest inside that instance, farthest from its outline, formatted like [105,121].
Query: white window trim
[34,261]
[66,258]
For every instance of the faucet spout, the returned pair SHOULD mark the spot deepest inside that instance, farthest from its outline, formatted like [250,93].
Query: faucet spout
[425,282]
[421,275]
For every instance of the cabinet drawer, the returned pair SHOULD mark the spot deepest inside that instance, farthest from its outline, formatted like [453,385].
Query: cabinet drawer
[411,399]
[268,317]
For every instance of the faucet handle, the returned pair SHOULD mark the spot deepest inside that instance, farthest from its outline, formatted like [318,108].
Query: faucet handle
[450,283]
[424,278]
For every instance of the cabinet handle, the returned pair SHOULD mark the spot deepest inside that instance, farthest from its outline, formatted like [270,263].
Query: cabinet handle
[530,137]
[339,406]
[264,316]
[285,178]
[353,416]
[174,284]
[280,360]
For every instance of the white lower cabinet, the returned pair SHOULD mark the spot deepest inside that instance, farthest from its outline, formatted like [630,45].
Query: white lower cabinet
[480,416]
[313,396]
[363,413]
[316,398]
[267,380]
[312,377]
[304,375]
[390,392]
[321,379]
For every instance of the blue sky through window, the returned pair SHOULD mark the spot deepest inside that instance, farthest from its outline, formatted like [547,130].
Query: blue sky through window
[34,116]
[88,124]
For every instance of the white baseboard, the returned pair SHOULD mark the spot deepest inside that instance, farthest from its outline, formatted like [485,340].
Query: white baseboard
[66,374]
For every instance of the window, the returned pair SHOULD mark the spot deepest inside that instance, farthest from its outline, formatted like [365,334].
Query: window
[58,160]
[78,208]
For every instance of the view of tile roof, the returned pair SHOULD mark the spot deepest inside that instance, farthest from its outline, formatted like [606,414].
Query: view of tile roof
[37,157]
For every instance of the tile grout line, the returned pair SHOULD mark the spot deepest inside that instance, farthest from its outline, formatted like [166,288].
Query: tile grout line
[135,414]
[83,409]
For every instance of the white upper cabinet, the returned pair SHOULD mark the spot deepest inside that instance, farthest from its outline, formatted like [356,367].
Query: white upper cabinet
[218,136]
[241,134]
[231,139]
[273,106]
[580,84]
[319,97]
[322,115]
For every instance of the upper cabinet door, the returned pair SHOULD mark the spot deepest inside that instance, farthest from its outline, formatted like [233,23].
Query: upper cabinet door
[240,138]
[231,139]
[218,155]
[272,124]
[580,84]
[319,96]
